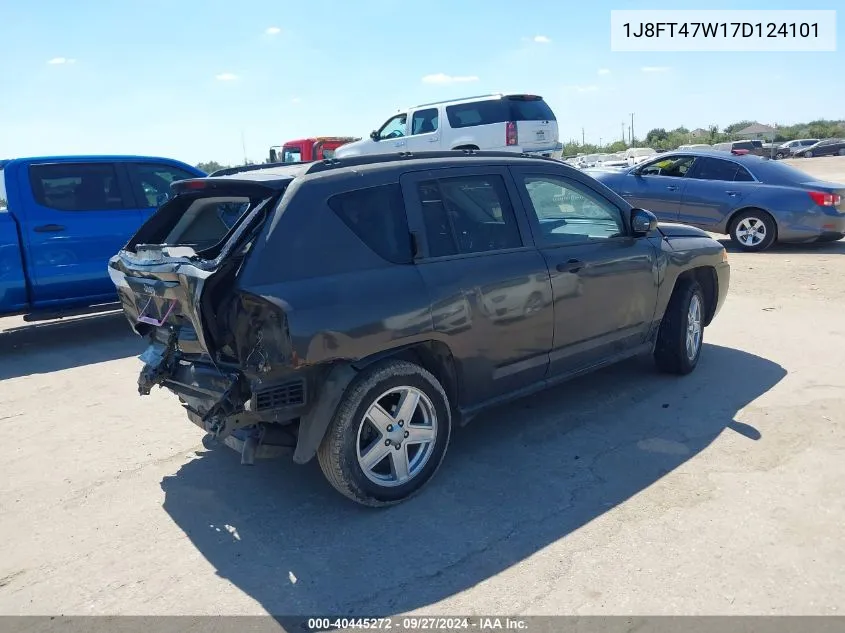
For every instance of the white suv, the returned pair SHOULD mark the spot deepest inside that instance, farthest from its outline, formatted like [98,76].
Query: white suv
[518,123]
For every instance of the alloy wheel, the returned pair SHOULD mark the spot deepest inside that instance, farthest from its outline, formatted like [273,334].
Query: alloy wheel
[750,231]
[396,436]
[693,339]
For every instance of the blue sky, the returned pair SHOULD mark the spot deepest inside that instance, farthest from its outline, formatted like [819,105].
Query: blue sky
[186,78]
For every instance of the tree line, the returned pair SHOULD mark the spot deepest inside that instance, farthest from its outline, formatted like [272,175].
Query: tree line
[660,138]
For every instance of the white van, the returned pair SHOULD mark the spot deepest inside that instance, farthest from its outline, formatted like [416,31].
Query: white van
[512,122]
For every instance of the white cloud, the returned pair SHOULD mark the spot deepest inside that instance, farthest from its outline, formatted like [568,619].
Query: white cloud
[273,30]
[61,60]
[655,69]
[604,71]
[226,77]
[542,39]
[441,78]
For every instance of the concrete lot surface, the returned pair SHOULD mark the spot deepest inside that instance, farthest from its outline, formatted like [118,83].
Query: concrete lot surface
[625,492]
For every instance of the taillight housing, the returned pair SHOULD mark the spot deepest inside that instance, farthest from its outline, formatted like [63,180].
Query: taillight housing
[511,134]
[825,199]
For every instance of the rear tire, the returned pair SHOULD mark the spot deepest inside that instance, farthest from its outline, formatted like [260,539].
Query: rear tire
[808,154]
[358,454]
[779,155]
[681,334]
[753,230]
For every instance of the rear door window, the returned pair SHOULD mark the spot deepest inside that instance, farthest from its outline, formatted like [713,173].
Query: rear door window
[152,181]
[467,214]
[377,216]
[77,186]
[3,196]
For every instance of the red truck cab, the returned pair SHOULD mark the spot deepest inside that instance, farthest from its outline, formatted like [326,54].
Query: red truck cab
[309,149]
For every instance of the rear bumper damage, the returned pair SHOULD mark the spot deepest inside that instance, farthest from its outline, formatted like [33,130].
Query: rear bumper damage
[256,419]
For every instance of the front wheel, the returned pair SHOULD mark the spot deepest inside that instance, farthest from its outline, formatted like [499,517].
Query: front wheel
[779,155]
[753,231]
[681,332]
[808,154]
[388,435]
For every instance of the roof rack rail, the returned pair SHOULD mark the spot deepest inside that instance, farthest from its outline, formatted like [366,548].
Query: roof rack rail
[420,105]
[371,159]
[228,171]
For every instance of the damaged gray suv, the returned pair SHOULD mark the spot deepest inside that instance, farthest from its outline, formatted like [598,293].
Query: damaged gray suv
[357,310]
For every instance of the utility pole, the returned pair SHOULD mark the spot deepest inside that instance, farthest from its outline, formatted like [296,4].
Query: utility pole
[600,144]
[243,145]
[582,137]
[623,131]
[632,128]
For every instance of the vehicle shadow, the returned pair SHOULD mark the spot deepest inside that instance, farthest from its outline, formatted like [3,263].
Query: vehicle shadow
[813,248]
[40,348]
[514,482]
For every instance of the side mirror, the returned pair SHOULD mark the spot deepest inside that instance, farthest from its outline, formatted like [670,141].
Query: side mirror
[273,156]
[642,222]
[374,135]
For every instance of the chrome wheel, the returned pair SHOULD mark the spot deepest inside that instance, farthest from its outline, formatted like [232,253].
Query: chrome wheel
[750,231]
[693,340]
[396,437]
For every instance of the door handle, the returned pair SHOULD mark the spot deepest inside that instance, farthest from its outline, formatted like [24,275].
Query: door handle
[399,144]
[433,140]
[732,194]
[49,228]
[672,187]
[571,266]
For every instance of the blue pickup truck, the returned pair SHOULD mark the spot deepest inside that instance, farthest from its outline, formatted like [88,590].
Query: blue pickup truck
[62,218]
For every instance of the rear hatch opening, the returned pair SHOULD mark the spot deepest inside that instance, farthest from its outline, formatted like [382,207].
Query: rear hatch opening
[172,276]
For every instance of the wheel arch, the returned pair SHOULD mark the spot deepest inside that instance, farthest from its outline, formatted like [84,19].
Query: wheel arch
[708,280]
[433,356]
[730,219]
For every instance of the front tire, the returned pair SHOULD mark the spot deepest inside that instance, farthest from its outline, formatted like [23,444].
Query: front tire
[753,231]
[808,154]
[681,332]
[388,436]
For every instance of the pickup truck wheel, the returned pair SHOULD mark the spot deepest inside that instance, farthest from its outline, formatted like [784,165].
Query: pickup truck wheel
[682,330]
[388,436]
[753,230]
[780,155]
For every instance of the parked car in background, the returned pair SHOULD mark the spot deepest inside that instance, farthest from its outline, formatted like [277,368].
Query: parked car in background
[636,155]
[785,150]
[750,147]
[305,150]
[827,147]
[755,200]
[65,217]
[358,310]
[518,123]
[696,146]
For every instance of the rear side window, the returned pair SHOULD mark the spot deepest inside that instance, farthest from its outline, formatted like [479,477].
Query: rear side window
[76,186]
[716,169]
[743,145]
[152,181]
[499,111]
[377,216]
[3,198]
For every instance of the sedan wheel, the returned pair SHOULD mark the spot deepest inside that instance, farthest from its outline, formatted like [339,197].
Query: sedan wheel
[808,154]
[753,231]
[842,152]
